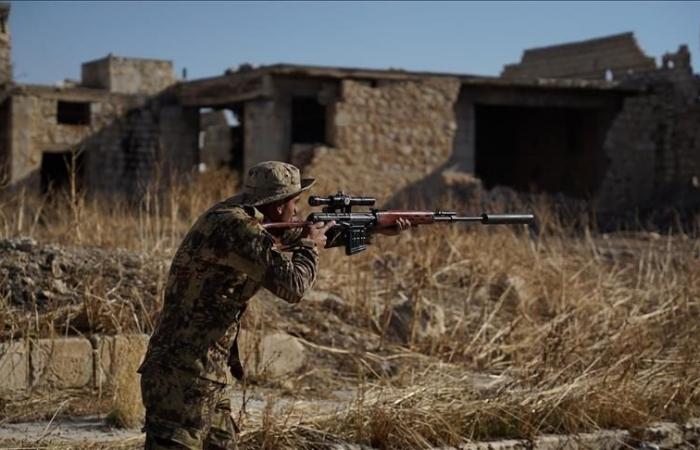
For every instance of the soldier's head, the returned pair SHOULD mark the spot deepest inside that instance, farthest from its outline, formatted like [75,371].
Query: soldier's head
[274,187]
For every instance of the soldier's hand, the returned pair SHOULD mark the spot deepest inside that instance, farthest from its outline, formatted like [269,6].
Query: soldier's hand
[317,232]
[401,225]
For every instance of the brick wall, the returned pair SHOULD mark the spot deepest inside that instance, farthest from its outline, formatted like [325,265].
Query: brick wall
[385,138]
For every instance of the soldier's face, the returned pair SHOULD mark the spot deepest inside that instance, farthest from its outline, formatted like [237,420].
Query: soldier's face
[289,210]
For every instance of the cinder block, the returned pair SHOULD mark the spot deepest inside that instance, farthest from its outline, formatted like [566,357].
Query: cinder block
[61,363]
[14,367]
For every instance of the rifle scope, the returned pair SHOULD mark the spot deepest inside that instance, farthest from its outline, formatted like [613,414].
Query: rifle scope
[341,200]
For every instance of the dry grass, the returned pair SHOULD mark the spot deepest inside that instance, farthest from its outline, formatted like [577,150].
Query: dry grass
[583,331]
[127,407]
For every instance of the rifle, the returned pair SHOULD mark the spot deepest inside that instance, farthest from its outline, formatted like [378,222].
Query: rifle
[353,229]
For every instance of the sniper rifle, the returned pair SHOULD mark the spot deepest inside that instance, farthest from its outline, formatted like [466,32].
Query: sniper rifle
[353,228]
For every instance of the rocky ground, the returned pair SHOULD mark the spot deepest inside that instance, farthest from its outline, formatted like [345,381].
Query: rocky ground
[71,290]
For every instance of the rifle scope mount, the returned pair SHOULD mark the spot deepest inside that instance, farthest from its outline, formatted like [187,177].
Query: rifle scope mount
[340,202]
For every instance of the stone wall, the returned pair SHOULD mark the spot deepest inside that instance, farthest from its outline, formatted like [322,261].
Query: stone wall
[385,138]
[262,135]
[143,148]
[122,156]
[35,128]
[4,142]
[126,146]
[5,45]
[66,363]
[77,362]
[590,59]
[654,143]
[128,75]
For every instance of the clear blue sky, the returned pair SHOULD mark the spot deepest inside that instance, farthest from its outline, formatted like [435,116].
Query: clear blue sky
[52,39]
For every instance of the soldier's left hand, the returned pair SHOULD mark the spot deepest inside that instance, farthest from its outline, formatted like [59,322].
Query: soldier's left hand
[401,225]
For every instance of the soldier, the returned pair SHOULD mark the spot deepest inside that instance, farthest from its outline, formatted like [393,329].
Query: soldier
[222,262]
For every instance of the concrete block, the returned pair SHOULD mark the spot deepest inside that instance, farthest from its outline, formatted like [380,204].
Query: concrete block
[14,367]
[271,356]
[114,353]
[103,348]
[61,363]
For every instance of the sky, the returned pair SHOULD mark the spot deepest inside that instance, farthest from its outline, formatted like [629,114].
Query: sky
[50,40]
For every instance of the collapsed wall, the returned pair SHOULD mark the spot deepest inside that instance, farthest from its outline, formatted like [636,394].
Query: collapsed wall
[386,138]
[120,132]
[653,145]
[609,56]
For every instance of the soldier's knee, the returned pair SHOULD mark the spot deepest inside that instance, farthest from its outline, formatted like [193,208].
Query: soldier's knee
[165,435]
[162,443]
[217,440]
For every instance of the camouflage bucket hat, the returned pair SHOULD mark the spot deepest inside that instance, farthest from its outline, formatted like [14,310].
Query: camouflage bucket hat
[271,181]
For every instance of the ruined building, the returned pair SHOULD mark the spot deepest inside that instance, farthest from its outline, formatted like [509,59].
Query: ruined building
[594,120]
[115,131]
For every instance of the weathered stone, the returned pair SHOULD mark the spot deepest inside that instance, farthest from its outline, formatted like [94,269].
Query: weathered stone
[326,300]
[61,363]
[128,75]
[14,367]
[602,440]
[388,130]
[412,321]
[270,356]
[110,350]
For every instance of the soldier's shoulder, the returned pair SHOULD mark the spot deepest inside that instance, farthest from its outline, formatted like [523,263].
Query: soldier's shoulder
[232,209]
[234,218]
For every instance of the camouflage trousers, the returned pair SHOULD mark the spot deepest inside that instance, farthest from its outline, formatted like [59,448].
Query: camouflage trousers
[186,412]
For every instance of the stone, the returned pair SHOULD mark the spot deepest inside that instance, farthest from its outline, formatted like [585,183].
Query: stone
[412,321]
[59,286]
[61,363]
[270,356]
[327,300]
[14,367]
[111,351]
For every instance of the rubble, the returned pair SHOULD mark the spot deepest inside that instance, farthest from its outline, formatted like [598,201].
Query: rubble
[82,289]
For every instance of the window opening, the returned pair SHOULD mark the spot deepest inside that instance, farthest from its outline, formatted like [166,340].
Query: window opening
[73,113]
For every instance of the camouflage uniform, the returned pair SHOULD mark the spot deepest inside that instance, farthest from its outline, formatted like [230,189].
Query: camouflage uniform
[222,262]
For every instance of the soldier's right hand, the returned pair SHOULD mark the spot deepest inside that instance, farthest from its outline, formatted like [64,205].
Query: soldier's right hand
[317,232]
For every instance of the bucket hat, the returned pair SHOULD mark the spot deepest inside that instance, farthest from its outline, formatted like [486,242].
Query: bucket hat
[271,181]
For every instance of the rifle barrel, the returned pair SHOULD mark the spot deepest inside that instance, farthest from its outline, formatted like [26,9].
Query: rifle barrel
[455,218]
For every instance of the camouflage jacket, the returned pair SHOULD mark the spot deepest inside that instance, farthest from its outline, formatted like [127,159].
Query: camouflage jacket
[222,262]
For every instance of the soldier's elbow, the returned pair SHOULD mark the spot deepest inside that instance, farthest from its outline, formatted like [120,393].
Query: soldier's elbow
[290,295]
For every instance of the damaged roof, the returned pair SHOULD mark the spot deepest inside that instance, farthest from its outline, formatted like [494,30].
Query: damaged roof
[589,59]
[250,83]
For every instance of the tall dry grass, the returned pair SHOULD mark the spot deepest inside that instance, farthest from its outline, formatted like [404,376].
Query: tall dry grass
[153,224]
[579,330]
